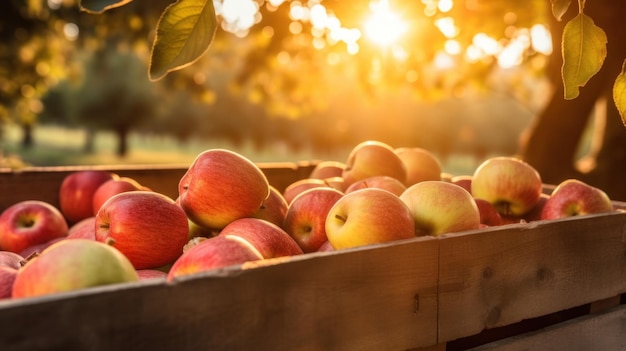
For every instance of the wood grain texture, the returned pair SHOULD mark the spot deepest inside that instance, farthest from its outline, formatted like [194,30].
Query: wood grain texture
[379,298]
[492,278]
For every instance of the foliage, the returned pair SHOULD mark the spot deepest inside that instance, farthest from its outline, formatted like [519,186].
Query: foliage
[584,43]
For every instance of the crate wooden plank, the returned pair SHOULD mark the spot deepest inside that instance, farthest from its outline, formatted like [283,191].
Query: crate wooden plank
[43,183]
[602,331]
[493,278]
[379,298]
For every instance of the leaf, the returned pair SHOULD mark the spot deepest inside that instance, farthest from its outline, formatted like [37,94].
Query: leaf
[619,93]
[559,8]
[99,6]
[184,33]
[584,51]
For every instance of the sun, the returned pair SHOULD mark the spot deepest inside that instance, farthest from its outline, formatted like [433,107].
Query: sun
[384,27]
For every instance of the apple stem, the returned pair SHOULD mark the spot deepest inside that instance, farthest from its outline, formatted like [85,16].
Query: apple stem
[109,241]
[341,218]
[33,255]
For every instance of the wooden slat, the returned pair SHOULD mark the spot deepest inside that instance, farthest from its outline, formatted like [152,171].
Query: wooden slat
[603,332]
[380,298]
[43,183]
[493,278]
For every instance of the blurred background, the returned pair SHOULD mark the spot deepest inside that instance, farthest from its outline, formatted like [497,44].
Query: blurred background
[284,81]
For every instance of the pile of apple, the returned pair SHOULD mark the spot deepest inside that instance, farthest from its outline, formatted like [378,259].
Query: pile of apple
[110,229]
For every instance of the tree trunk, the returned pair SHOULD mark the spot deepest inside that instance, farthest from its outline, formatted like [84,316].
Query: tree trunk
[554,137]
[27,136]
[122,142]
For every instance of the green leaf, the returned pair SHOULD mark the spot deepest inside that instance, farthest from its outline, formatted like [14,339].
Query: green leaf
[584,51]
[99,6]
[559,8]
[184,33]
[619,93]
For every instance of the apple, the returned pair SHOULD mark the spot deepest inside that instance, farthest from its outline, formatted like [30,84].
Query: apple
[420,164]
[489,216]
[336,183]
[440,207]
[573,197]
[326,247]
[368,216]
[293,189]
[464,181]
[196,230]
[113,187]
[390,184]
[72,265]
[327,169]
[28,223]
[221,186]
[274,208]
[306,216]
[510,184]
[370,158]
[7,279]
[146,226]
[11,259]
[269,239]
[535,213]
[77,190]
[149,274]
[213,253]
[83,229]
[36,249]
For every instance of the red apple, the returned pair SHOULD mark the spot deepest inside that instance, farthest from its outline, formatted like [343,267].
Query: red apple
[368,216]
[147,227]
[306,217]
[221,186]
[327,169]
[274,208]
[535,213]
[11,259]
[77,190]
[38,248]
[371,158]
[464,181]
[293,189]
[213,253]
[489,216]
[7,279]
[420,164]
[83,229]
[72,265]
[149,274]
[326,247]
[268,238]
[440,207]
[390,184]
[196,230]
[573,197]
[113,187]
[510,184]
[28,223]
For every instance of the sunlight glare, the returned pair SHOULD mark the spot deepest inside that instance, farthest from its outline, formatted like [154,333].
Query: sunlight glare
[444,5]
[447,27]
[239,15]
[541,39]
[384,27]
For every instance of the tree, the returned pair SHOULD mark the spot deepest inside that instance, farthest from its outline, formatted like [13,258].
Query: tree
[554,138]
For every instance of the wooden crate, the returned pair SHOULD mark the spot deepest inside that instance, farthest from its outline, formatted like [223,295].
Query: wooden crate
[515,287]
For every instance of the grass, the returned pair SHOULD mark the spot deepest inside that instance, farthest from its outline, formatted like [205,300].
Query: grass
[59,146]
